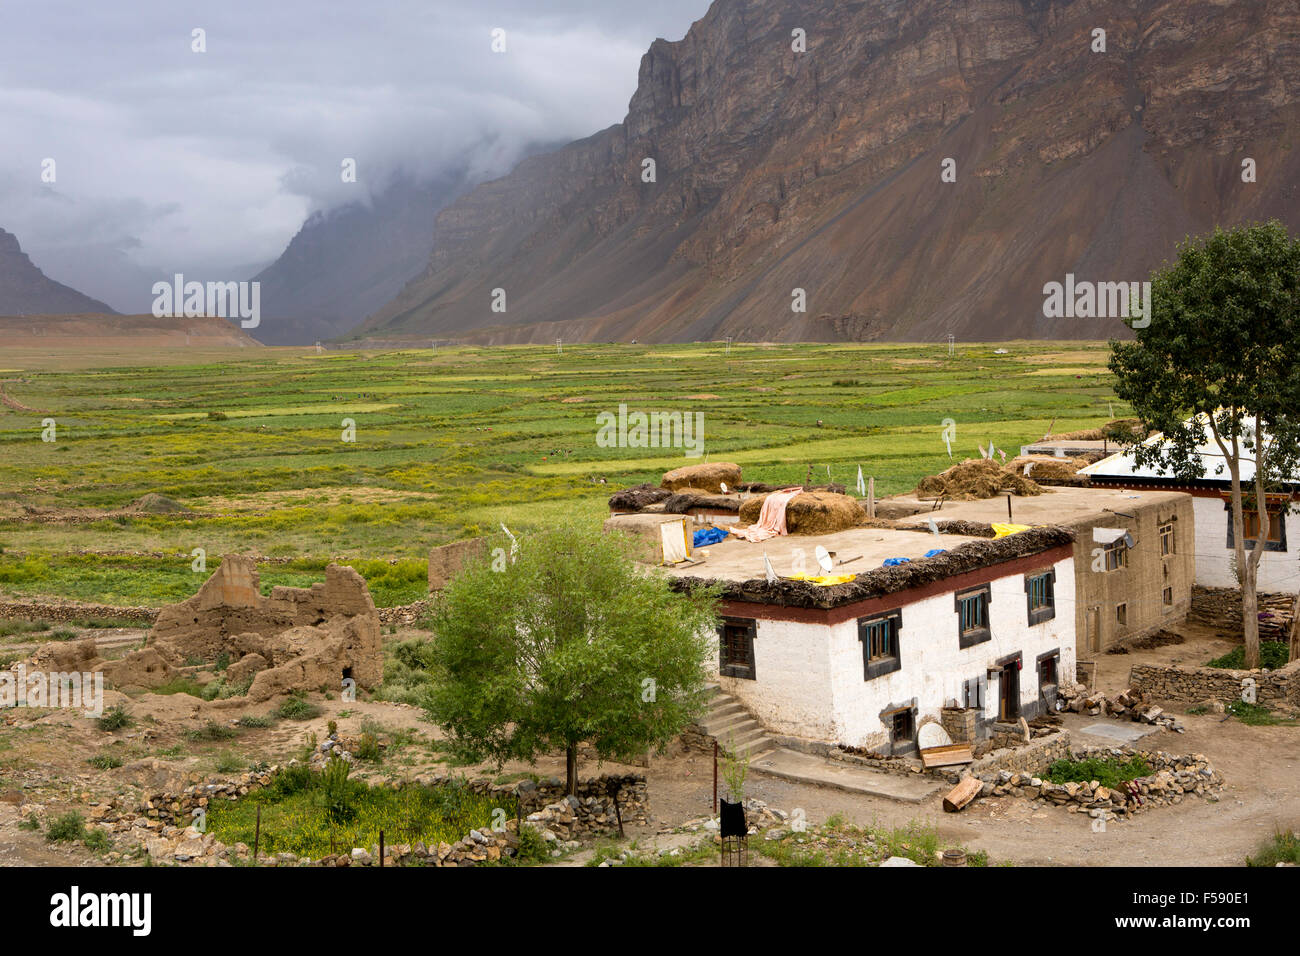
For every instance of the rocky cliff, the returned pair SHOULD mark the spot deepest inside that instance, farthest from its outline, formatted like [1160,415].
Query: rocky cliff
[779,170]
[26,290]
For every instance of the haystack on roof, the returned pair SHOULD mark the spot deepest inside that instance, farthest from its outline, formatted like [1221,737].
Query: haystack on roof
[975,478]
[705,477]
[811,512]
[882,581]
[637,497]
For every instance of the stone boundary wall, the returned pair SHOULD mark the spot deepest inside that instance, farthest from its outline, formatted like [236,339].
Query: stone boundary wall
[1192,685]
[61,613]
[163,820]
[1033,757]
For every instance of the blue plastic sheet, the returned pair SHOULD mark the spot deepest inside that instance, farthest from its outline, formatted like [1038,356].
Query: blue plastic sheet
[931,553]
[895,562]
[707,536]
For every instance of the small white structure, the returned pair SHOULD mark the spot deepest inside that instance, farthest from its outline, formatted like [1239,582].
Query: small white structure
[985,624]
[1279,569]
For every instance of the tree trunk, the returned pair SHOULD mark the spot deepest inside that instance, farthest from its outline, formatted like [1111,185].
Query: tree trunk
[571,769]
[1245,568]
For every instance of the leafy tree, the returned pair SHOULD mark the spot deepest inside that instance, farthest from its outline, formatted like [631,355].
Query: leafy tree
[1221,356]
[572,642]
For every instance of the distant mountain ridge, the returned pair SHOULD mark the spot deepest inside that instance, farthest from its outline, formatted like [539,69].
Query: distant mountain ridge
[26,290]
[819,171]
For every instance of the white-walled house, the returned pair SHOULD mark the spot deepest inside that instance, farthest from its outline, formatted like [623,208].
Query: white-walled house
[1211,490]
[987,624]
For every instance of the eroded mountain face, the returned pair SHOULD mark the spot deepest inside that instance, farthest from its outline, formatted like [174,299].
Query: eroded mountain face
[778,170]
[26,290]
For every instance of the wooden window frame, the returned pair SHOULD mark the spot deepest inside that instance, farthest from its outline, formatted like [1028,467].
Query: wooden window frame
[969,637]
[1037,615]
[1276,525]
[878,666]
[1168,542]
[1118,549]
[744,670]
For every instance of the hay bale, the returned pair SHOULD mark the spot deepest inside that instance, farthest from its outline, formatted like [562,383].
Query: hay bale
[973,479]
[811,512]
[1045,467]
[707,477]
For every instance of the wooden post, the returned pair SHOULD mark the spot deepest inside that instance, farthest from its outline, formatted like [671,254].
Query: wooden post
[1008,507]
[257,832]
[871,497]
[715,775]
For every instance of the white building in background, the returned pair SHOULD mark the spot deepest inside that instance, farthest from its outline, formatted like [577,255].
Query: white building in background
[986,624]
[1279,569]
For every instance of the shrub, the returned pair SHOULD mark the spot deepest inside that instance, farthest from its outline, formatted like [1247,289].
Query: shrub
[1272,654]
[98,841]
[211,731]
[69,826]
[368,748]
[230,762]
[255,720]
[115,718]
[1107,771]
[1283,848]
[297,708]
[104,761]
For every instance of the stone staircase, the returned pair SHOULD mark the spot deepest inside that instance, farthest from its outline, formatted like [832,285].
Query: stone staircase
[734,727]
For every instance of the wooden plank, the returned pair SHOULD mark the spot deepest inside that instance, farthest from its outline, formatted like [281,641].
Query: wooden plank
[962,794]
[946,756]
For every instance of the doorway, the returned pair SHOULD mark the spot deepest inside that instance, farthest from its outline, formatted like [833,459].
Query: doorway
[1009,692]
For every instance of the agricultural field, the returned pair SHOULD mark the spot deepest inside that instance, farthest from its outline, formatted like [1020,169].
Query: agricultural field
[453,442]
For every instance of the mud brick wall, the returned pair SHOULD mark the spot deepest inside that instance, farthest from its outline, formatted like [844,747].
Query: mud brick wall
[960,723]
[1033,757]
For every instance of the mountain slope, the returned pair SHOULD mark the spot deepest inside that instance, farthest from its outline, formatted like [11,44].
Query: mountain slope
[820,171]
[344,264]
[26,290]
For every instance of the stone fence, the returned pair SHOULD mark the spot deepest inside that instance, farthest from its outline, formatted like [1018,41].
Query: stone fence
[61,613]
[1192,685]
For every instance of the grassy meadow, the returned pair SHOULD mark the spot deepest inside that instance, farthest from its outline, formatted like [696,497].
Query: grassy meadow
[452,442]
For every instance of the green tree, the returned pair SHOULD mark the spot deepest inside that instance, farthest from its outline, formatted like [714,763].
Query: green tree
[1221,357]
[572,642]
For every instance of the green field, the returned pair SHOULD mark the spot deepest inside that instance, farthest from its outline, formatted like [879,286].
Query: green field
[450,443]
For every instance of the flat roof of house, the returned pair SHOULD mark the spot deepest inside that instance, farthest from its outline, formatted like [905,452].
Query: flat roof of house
[738,560]
[1062,505]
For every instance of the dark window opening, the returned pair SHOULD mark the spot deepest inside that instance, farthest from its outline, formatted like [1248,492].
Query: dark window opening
[1167,597]
[1115,555]
[1121,613]
[973,617]
[902,730]
[880,651]
[1040,593]
[1250,524]
[736,648]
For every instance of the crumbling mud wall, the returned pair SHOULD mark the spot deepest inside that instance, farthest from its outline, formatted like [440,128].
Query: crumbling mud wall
[296,639]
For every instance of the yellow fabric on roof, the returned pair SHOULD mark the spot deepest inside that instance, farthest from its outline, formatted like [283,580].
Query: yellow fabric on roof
[825,580]
[1002,530]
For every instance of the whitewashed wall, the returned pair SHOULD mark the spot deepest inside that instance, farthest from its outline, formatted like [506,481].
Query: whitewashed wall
[810,677]
[1279,571]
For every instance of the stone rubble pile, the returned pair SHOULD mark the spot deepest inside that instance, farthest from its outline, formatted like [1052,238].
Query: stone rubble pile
[1174,777]
[1129,704]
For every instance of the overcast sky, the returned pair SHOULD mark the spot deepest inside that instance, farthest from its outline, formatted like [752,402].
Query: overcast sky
[208,163]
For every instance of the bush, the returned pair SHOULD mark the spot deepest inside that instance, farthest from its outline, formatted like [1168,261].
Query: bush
[98,841]
[368,748]
[297,708]
[70,826]
[1272,654]
[230,762]
[1107,771]
[115,718]
[211,731]
[104,761]
[1283,848]
[255,721]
